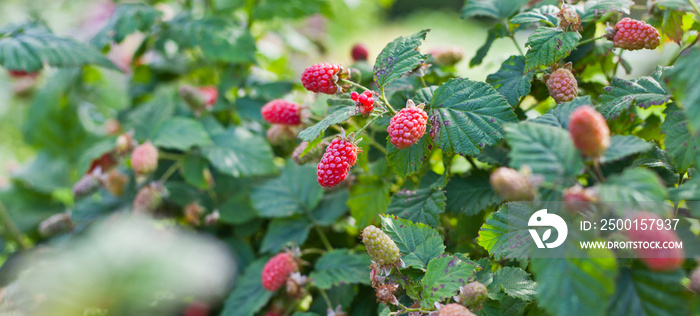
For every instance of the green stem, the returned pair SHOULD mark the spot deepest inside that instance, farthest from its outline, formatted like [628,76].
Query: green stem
[12,228]
[472,162]
[359,131]
[680,52]
[168,173]
[695,7]
[590,40]
[312,251]
[377,145]
[386,102]
[676,204]
[324,239]
[356,85]
[170,156]
[617,64]
[512,38]
[325,298]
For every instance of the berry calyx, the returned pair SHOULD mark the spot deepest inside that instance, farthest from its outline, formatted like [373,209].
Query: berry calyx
[657,259]
[632,34]
[472,295]
[568,18]
[454,310]
[339,157]
[277,270]
[281,112]
[379,245]
[589,131]
[364,101]
[562,85]
[359,52]
[408,125]
[321,78]
[115,182]
[144,158]
[512,185]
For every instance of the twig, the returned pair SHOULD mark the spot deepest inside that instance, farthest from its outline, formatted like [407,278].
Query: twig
[325,298]
[590,40]
[356,85]
[324,239]
[386,102]
[168,173]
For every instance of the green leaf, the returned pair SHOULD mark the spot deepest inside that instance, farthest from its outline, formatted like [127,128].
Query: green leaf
[290,9]
[496,32]
[505,233]
[622,94]
[238,152]
[515,282]
[419,206]
[584,285]
[682,81]
[680,143]
[406,161]
[29,46]
[418,243]
[193,169]
[338,116]
[497,9]
[145,118]
[545,14]
[399,58]
[510,81]
[443,278]
[424,95]
[332,206]
[596,8]
[547,150]
[689,190]
[633,185]
[470,195]
[468,116]
[506,307]
[624,146]
[340,267]
[295,191]
[549,45]
[237,209]
[218,39]
[180,133]
[45,174]
[126,19]
[248,295]
[282,231]
[559,115]
[368,198]
[641,292]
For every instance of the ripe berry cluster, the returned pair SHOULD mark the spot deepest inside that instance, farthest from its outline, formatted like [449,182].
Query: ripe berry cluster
[364,101]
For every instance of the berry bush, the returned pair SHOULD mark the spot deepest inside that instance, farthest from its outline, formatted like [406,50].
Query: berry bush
[381,187]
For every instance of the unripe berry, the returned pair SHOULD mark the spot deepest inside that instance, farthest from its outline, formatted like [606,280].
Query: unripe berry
[87,185]
[589,131]
[379,245]
[112,126]
[407,126]
[193,212]
[277,270]
[339,157]
[562,85]
[144,158]
[359,52]
[447,56]
[454,310]
[632,34]
[472,295]
[512,185]
[578,199]
[116,182]
[313,154]
[149,198]
[279,134]
[199,98]
[695,281]
[56,224]
[125,143]
[281,112]
[321,78]
[568,18]
[659,259]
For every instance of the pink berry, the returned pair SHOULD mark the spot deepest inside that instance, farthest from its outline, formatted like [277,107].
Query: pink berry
[589,131]
[277,270]
[144,158]
[321,78]
[210,95]
[659,259]
[632,34]
[281,112]
[407,126]
[339,157]
[562,85]
[359,52]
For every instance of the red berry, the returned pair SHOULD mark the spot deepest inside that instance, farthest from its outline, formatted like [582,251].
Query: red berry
[354,96]
[364,101]
[359,52]
[633,35]
[144,158]
[210,95]
[321,78]
[562,85]
[407,126]
[277,270]
[281,112]
[454,310]
[589,131]
[659,259]
[340,155]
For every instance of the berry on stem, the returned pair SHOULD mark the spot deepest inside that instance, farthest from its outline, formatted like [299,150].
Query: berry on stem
[364,101]
[277,270]
[454,310]
[281,112]
[339,157]
[589,131]
[321,78]
[408,125]
[562,85]
[512,185]
[144,158]
[657,259]
[379,245]
[359,52]
[632,34]
[472,295]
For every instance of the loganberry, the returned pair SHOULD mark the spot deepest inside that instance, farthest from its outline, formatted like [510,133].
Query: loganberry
[589,131]
[144,158]
[364,101]
[512,185]
[472,295]
[562,85]
[657,259]
[454,310]
[379,245]
[632,34]
[407,126]
[321,78]
[277,270]
[339,157]
[281,112]
[359,52]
